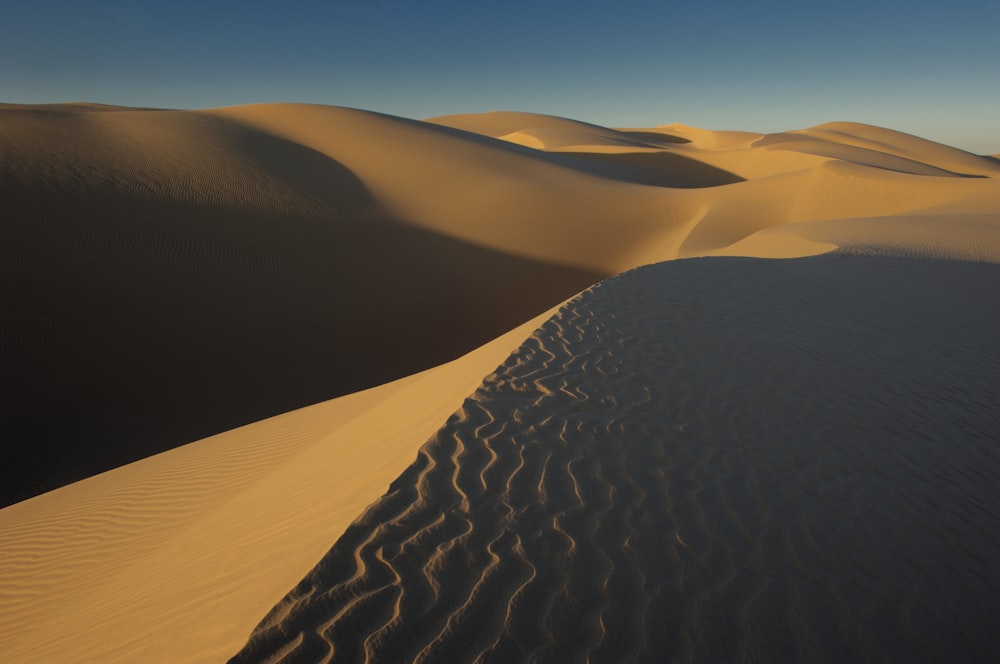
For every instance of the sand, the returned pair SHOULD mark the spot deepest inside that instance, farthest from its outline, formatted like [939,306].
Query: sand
[696,461]
[168,275]
[175,557]
[176,274]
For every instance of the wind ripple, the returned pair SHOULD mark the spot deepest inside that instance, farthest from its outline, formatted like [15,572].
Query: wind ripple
[715,460]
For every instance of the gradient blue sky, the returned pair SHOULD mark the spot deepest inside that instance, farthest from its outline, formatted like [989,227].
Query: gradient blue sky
[928,68]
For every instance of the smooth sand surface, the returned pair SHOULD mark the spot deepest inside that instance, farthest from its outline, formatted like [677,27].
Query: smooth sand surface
[166,275]
[170,275]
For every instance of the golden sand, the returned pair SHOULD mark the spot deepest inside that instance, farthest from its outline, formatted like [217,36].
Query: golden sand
[173,273]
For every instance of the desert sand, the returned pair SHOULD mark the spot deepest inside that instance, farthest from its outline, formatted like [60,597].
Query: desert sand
[454,405]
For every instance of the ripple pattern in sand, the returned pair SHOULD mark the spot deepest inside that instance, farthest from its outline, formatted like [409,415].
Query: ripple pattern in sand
[712,460]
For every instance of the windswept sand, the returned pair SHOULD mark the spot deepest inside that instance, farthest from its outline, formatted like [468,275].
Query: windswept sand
[174,558]
[719,460]
[171,274]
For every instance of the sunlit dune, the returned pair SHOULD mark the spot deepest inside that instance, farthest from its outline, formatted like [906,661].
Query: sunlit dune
[201,540]
[199,274]
[454,396]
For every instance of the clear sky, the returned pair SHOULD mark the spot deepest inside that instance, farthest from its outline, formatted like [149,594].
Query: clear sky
[929,68]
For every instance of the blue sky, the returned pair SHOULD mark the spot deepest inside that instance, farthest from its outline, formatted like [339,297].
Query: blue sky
[922,67]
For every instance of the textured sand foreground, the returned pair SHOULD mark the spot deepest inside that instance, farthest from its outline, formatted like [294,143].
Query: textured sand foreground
[713,458]
[716,460]
[176,557]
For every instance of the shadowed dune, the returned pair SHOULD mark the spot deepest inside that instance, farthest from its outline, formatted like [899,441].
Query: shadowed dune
[143,333]
[823,144]
[636,157]
[757,155]
[682,440]
[503,123]
[174,276]
[174,558]
[905,146]
[655,169]
[655,137]
[713,460]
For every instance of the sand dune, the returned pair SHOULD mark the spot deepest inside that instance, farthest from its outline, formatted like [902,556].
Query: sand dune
[167,275]
[477,189]
[758,155]
[176,557]
[697,461]
[906,146]
[176,274]
[548,132]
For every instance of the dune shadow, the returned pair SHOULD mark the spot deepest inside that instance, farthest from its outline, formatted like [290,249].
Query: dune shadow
[131,326]
[307,171]
[867,156]
[654,137]
[698,442]
[656,169]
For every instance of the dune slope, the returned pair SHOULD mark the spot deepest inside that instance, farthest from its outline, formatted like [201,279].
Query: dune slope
[169,275]
[165,275]
[174,558]
[711,460]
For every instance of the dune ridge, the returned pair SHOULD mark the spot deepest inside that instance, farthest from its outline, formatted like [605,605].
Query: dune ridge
[166,275]
[175,557]
[694,461]
[176,274]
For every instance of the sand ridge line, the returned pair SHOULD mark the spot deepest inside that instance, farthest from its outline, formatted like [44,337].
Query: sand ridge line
[289,233]
[646,479]
[191,273]
[219,543]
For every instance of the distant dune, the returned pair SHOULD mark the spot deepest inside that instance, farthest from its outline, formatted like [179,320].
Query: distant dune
[793,454]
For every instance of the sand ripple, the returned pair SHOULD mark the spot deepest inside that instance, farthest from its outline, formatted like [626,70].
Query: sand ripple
[715,460]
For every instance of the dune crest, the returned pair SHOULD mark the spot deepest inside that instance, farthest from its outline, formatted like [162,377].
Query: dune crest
[166,275]
[174,558]
[189,274]
[905,146]
[682,464]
